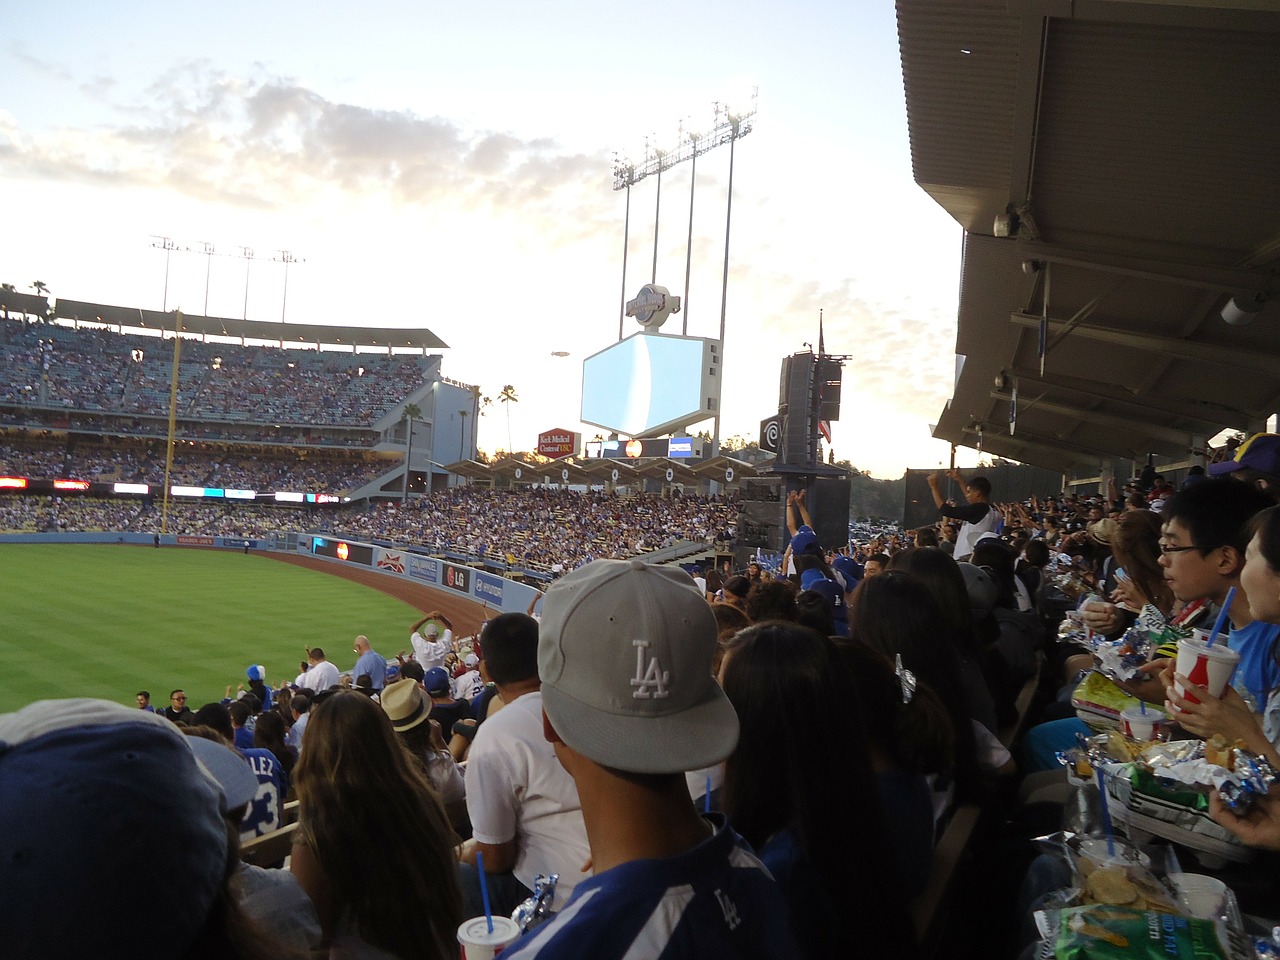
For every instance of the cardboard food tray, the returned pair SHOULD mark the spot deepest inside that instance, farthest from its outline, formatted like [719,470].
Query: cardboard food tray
[1172,821]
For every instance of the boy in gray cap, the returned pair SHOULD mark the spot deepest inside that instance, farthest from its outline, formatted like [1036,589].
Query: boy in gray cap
[630,704]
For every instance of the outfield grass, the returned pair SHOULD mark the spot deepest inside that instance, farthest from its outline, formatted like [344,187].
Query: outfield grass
[110,620]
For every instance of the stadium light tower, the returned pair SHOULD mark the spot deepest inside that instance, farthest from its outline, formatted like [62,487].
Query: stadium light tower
[207,249]
[168,245]
[247,253]
[286,257]
[730,123]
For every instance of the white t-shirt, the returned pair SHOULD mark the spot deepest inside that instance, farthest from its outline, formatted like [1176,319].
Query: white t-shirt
[516,789]
[468,686]
[321,676]
[971,533]
[431,653]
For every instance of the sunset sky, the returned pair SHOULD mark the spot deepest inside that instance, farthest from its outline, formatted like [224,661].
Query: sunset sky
[450,167]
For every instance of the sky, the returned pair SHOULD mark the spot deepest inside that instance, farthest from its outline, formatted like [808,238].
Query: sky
[450,167]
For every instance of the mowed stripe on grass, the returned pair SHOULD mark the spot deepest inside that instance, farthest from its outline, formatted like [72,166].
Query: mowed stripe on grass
[90,620]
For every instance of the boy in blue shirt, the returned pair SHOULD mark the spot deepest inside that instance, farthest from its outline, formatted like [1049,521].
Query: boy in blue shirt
[630,704]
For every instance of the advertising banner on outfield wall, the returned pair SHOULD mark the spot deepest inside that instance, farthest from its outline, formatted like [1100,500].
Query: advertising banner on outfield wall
[458,578]
[390,560]
[423,568]
[489,588]
[342,550]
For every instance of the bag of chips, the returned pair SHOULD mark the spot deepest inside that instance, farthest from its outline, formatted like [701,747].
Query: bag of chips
[1105,931]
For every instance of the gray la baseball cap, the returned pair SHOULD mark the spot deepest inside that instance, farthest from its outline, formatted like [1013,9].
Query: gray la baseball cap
[624,654]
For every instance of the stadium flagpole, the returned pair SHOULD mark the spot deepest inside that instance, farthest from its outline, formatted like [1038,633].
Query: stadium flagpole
[173,417]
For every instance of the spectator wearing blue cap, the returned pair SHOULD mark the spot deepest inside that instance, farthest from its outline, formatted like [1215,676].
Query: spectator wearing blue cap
[257,675]
[445,710]
[156,798]
[1256,462]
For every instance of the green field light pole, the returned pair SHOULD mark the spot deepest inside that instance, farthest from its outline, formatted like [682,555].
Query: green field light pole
[173,418]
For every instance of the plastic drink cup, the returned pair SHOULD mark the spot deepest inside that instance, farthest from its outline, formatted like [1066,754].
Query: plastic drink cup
[1207,666]
[479,944]
[1119,853]
[1203,897]
[1141,725]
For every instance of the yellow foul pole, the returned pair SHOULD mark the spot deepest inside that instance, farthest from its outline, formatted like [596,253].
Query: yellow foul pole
[173,416]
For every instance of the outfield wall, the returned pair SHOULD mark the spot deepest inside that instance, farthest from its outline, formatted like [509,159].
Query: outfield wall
[483,587]
[440,574]
[140,539]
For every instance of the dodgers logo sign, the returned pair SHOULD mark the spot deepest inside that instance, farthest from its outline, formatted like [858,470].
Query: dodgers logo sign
[652,305]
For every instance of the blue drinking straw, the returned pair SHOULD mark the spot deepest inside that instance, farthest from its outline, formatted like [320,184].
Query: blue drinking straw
[1106,815]
[484,890]
[1142,707]
[1222,616]
[706,800]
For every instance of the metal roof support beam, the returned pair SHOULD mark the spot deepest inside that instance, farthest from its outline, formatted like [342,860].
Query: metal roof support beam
[1113,447]
[1253,359]
[1211,417]
[1225,279]
[1057,450]
[1138,425]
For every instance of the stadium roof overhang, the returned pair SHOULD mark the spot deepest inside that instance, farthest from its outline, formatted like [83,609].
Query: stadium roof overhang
[471,469]
[657,467]
[33,305]
[601,471]
[716,468]
[1135,147]
[287,333]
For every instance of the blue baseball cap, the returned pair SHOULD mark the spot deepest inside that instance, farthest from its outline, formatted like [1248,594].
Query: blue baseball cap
[805,541]
[848,568]
[1260,452]
[436,681]
[92,782]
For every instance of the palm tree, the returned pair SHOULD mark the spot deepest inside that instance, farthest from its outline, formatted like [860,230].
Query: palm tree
[411,413]
[508,397]
[40,287]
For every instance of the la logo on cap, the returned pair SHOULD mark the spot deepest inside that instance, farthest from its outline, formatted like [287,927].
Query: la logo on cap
[651,680]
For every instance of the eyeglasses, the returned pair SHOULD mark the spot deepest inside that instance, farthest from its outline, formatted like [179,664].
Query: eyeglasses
[177,698]
[1166,549]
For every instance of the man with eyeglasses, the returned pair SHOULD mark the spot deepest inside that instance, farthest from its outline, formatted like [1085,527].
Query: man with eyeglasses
[178,711]
[1202,548]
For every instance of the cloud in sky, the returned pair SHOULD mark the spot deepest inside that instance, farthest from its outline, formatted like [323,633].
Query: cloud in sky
[525,214]
[269,142]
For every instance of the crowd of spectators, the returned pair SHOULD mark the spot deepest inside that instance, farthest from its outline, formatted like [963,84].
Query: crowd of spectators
[126,426]
[76,514]
[904,654]
[549,531]
[49,456]
[92,369]
[552,531]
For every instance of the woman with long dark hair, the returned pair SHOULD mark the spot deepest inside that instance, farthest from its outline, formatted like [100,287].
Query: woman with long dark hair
[981,671]
[374,850]
[815,817]
[895,614]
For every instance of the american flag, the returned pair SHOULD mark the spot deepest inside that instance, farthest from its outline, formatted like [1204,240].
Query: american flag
[824,426]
